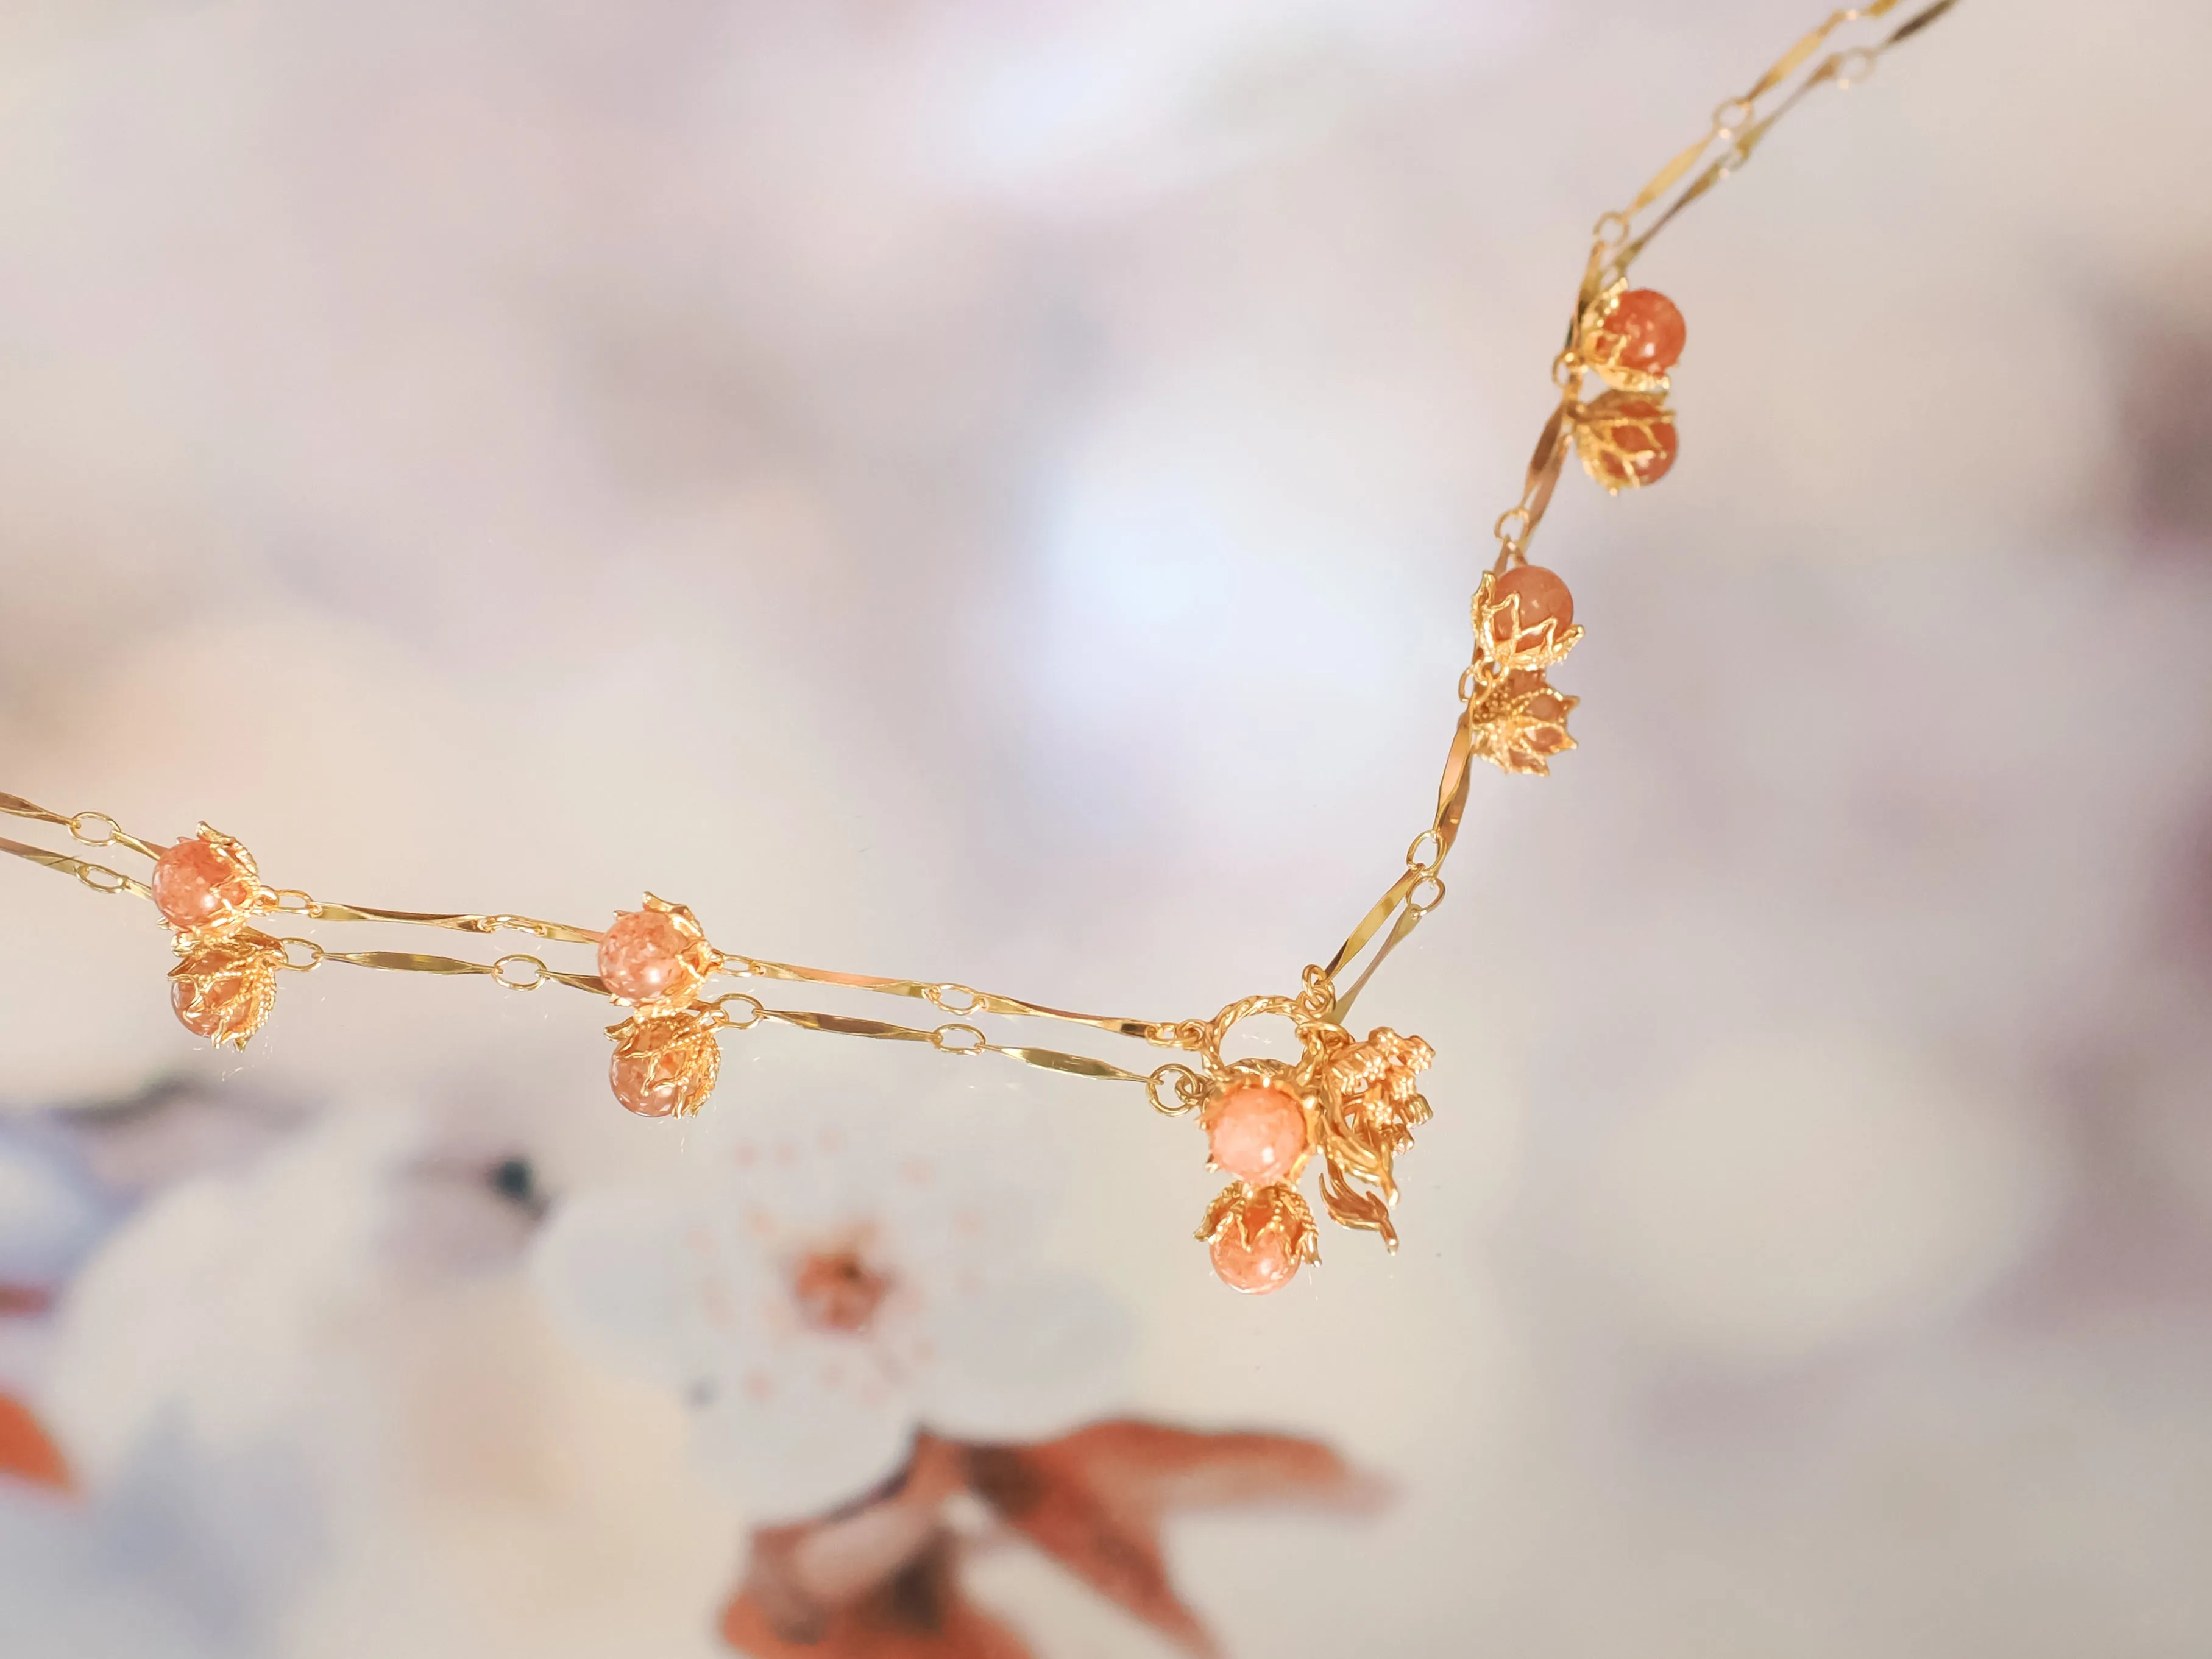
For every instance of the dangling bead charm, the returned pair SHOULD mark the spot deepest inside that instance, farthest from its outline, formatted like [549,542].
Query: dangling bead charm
[1260,1236]
[665,1065]
[1626,439]
[224,989]
[207,888]
[666,1056]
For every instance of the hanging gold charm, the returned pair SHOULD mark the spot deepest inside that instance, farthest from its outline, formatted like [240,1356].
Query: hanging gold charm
[1626,439]
[1352,1103]
[207,888]
[224,988]
[666,1064]
[1374,1106]
[1260,1236]
[1523,624]
[666,1056]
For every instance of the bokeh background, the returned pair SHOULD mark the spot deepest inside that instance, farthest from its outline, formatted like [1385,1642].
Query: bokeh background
[988,490]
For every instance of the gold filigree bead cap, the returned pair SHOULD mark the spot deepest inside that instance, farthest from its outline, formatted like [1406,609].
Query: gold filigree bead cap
[1260,1236]
[1543,596]
[1643,332]
[1626,439]
[223,989]
[665,1065]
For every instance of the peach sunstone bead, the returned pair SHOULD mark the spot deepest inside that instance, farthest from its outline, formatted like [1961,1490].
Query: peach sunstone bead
[642,957]
[1651,330]
[1257,1133]
[1543,596]
[1265,1262]
[1260,1238]
[1640,435]
[198,884]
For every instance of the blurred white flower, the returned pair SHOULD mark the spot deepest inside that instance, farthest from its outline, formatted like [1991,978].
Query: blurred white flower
[834,1269]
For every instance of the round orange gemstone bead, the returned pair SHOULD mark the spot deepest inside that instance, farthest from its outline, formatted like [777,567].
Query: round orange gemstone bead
[1263,1262]
[1262,1240]
[1639,434]
[198,885]
[1256,1134]
[1543,597]
[650,1090]
[644,957]
[1649,330]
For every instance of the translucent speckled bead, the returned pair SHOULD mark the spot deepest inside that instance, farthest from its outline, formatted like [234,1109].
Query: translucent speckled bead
[200,884]
[1644,332]
[1257,1133]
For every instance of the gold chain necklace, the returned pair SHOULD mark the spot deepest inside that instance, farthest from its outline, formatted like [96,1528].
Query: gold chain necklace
[1352,1102]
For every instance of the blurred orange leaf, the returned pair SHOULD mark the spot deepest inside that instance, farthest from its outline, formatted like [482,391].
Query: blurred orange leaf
[921,1612]
[1093,1501]
[27,1452]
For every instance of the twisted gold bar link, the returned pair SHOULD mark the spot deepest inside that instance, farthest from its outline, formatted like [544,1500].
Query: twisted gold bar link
[947,997]
[98,877]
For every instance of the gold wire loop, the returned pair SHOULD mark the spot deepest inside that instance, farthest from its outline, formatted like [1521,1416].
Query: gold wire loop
[954,999]
[1611,229]
[754,1010]
[1189,1090]
[1730,117]
[285,947]
[1313,1002]
[1853,67]
[1212,1033]
[101,879]
[1426,864]
[292,901]
[1425,894]
[538,971]
[105,839]
[957,1039]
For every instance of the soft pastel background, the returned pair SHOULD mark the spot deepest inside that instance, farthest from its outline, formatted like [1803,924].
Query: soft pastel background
[989,490]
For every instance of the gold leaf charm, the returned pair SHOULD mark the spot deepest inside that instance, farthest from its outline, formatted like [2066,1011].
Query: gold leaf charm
[1261,1236]
[224,988]
[665,1065]
[1374,1104]
[1626,439]
[1378,1090]
[1519,722]
[1354,1207]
